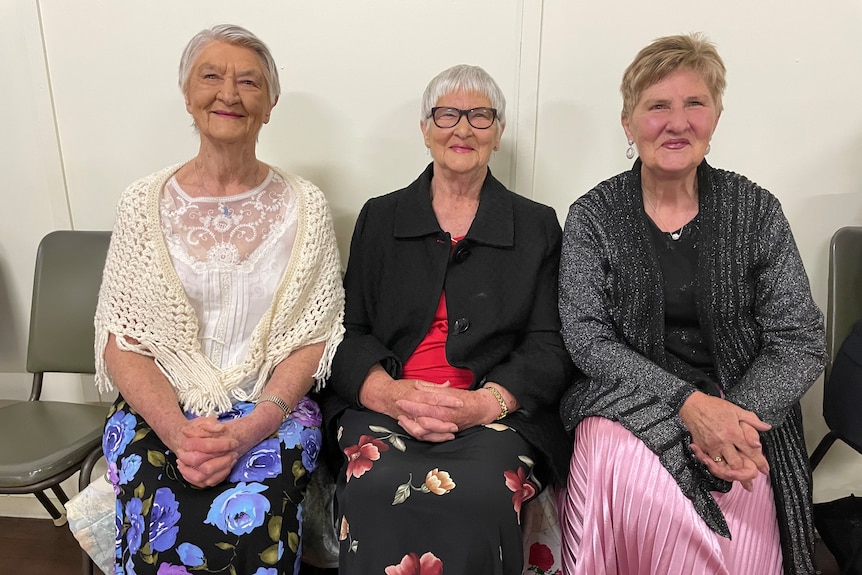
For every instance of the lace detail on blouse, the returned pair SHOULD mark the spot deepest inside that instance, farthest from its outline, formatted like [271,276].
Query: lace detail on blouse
[230,232]
[230,254]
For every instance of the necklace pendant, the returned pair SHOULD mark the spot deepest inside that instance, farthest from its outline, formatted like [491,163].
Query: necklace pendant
[675,235]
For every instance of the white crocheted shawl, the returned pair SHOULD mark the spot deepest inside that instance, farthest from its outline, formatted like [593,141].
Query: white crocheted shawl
[142,298]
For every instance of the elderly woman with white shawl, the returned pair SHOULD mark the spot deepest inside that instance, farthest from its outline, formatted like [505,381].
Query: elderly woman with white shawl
[221,306]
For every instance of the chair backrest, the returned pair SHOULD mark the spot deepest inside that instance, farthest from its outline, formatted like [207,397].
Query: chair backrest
[844,298]
[66,285]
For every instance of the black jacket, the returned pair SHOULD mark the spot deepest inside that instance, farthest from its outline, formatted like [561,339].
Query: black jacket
[501,294]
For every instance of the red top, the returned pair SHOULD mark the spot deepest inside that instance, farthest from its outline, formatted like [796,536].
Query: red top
[429,362]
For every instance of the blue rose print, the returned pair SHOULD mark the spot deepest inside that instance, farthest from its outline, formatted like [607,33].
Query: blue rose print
[307,413]
[118,532]
[297,562]
[237,410]
[310,438]
[130,466]
[289,433]
[119,432]
[136,524]
[265,571]
[261,462]
[190,554]
[114,476]
[163,520]
[130,567]
[168,569]
[239,510]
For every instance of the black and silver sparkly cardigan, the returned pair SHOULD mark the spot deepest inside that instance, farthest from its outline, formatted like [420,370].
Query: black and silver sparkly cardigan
[755,309]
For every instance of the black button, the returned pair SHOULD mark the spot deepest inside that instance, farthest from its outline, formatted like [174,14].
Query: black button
[461,254]
[461,325]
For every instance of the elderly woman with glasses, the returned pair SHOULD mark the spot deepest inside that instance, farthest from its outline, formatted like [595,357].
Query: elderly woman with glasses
[447,382]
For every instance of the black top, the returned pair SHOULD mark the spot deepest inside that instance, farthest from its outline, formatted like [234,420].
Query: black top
[684,338]
[756,312]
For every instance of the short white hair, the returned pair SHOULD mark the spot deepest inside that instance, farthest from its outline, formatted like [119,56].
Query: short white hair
[463,78]
[236,36]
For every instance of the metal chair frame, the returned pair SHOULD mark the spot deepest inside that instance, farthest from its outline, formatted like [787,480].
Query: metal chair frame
[843,309]
[64,438]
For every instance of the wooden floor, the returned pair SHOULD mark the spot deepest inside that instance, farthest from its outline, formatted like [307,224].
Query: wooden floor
[36,547]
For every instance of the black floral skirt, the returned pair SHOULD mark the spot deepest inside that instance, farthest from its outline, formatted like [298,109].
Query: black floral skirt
[248,525]
[408,506]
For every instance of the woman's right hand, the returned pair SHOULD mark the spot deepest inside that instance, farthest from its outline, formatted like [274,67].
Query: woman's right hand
[721,429]
[381,393]
[205,451]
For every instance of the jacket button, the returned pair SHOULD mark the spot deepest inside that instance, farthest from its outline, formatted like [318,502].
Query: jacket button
[461,325]
[461,254]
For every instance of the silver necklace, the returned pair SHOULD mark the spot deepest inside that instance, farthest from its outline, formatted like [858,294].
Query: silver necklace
[673,235]
[222,208]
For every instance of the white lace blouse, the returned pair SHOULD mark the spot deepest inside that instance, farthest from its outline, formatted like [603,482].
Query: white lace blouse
[230,253]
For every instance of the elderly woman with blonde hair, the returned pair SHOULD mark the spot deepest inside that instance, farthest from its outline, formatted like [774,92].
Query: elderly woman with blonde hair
[685,304]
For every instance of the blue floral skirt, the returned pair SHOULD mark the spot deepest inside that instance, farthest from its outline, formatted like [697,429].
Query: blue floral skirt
[248,525]
[407,506]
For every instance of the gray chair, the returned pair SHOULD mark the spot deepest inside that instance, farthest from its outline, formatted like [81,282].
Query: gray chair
[46,442]
[843,309]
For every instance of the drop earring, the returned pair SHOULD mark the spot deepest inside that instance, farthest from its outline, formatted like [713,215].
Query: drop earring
[630,152]
[708,148]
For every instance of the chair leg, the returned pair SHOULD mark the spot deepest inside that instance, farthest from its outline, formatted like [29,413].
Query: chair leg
[87,468]
[61,495]
[821,449]
[87,565]
[59,518]
[83,480]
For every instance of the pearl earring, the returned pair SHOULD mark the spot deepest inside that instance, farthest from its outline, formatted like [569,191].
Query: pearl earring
[630,152]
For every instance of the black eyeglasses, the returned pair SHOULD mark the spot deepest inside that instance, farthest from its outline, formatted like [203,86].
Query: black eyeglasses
[479,118]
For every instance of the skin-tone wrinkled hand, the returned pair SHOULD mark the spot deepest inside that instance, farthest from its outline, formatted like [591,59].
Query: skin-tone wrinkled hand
[429,411]
[206,449]
[722,429]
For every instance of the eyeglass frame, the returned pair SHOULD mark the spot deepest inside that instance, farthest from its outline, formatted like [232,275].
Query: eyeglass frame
[463,114]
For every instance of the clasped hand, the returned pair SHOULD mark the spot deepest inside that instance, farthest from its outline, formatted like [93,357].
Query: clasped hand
[725,438]
[434,412]
[207,449]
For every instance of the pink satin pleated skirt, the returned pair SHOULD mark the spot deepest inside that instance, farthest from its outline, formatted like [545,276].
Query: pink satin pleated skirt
[623,514]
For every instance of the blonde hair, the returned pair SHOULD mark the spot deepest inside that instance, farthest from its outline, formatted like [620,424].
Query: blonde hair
[667,55]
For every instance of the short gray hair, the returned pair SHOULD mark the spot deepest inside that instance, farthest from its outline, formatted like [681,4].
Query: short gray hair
[466,78]
[236,36]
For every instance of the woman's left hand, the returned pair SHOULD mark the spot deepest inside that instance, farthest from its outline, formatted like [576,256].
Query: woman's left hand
[211,448]
[477,407]
[725,438]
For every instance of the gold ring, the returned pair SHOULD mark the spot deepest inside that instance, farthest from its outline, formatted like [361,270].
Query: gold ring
[718,458]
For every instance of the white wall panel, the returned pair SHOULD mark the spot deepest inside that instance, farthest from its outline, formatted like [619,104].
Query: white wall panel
[32,197]
[352,76]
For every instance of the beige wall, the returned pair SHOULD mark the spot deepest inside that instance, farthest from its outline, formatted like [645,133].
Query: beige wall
[91,103]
